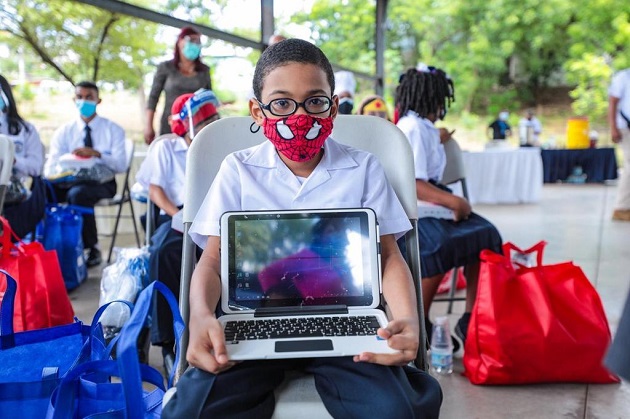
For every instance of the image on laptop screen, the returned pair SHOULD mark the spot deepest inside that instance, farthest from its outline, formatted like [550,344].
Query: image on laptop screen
[289,259]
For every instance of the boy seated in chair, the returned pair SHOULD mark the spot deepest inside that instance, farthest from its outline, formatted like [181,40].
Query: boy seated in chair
[89,135]
[301,167]
[189,114]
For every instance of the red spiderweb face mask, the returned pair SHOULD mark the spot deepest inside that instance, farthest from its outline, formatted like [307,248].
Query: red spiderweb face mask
[298,137]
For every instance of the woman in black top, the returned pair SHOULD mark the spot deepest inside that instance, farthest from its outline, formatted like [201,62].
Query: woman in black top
[185,73]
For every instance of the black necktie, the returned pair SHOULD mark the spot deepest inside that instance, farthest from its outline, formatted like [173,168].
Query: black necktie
[88,137]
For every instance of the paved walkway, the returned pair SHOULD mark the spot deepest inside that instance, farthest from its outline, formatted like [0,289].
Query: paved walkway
[575,221]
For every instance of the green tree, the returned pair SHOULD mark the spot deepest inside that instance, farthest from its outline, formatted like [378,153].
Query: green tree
[83,42]
[600,39]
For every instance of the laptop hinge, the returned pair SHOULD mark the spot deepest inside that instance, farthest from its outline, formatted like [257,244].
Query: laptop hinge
[292,311]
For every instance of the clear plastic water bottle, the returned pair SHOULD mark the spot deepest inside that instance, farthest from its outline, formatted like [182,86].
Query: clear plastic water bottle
[441,347]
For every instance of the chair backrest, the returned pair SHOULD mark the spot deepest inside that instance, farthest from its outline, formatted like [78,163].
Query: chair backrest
[373,134]
[454,170]
[7,154]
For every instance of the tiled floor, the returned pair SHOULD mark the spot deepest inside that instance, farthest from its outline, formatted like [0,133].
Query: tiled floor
[575,221]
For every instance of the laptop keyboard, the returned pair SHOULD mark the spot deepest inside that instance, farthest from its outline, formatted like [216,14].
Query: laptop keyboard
[300,327]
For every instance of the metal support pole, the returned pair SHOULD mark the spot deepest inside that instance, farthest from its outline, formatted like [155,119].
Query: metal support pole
[381,28]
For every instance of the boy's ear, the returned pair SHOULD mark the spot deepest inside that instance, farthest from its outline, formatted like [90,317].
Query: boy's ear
[334,109]
[256,112]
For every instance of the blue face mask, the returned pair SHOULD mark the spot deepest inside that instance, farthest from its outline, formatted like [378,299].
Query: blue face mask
[191,50]
[86,108]
[2,104]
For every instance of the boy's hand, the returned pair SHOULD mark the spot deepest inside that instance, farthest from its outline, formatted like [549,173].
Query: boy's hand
[86,152]
[206,349]
[461,208]
[615,134]
[400,334]
[445,135]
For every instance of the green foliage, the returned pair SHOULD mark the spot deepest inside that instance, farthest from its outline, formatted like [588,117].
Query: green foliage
[600,36]
[500,53]
[82,42]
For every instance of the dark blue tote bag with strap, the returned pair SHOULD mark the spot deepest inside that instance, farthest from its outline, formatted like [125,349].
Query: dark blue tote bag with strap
[83,393]
[33,363]
[61,231]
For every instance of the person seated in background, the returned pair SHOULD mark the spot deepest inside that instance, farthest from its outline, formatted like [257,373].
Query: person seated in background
[89,135]
[345,86]
[373,105]
[29,150]
[422,98]
[29,161]
[189,114]
[529,129]
[499,129]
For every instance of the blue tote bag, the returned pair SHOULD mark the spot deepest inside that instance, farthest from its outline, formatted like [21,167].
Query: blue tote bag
[83,393]
[61,231]
[33,362]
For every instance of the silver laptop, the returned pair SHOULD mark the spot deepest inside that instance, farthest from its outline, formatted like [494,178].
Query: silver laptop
[300,283]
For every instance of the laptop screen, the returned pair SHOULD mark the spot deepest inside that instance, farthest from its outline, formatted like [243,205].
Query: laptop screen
[281,259]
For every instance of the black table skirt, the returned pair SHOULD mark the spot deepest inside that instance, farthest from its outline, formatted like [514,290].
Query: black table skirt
[599,164]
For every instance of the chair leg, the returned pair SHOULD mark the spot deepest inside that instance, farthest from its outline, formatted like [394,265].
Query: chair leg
[111,246]
[451,293]
[133,220]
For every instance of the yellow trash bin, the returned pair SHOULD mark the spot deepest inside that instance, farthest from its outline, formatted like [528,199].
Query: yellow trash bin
[577,133]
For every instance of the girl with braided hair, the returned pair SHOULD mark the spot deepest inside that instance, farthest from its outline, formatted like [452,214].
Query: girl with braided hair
[422,97]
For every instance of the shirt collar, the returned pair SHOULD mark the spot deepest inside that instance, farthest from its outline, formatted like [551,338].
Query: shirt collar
[180,144]
[92,123]
[335,156]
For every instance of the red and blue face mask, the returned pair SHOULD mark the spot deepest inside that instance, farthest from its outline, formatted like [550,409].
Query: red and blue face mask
[298,137]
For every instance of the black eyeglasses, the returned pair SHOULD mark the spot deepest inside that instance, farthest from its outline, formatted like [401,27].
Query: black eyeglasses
[286,106]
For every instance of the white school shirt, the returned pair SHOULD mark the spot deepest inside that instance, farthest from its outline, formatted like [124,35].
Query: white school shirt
[29,150]
[108,138]
[257,179]
[168,168]
[620,88]
[428,152]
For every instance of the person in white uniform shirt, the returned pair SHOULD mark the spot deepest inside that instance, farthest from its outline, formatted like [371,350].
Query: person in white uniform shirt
[190,113]
[345,87]
[619,121]
[29,150]
[89,135]
[422,97]
[529,129]
[301,167]
[28,161]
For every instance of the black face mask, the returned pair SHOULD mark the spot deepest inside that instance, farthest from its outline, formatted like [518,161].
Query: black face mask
[345,107]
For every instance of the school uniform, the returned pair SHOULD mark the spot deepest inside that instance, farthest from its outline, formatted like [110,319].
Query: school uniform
[29,160]
[167,169]
[444,244]
[620,89]
[108,138]
[256,179]
[29,150]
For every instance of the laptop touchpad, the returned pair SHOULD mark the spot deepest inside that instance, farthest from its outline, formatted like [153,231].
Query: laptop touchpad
[304,345]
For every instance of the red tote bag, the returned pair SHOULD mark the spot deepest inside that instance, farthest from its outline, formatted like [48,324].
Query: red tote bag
[535,324]
[41,300]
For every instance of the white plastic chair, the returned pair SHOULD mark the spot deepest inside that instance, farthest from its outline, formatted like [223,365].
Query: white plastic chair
[453,172]
[7,155]
[119,200]
[297,395]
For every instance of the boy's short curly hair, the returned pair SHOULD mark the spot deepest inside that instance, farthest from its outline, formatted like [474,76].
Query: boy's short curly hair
[290,51]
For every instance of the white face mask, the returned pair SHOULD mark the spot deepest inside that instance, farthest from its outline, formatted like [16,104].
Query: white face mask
[503,116]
